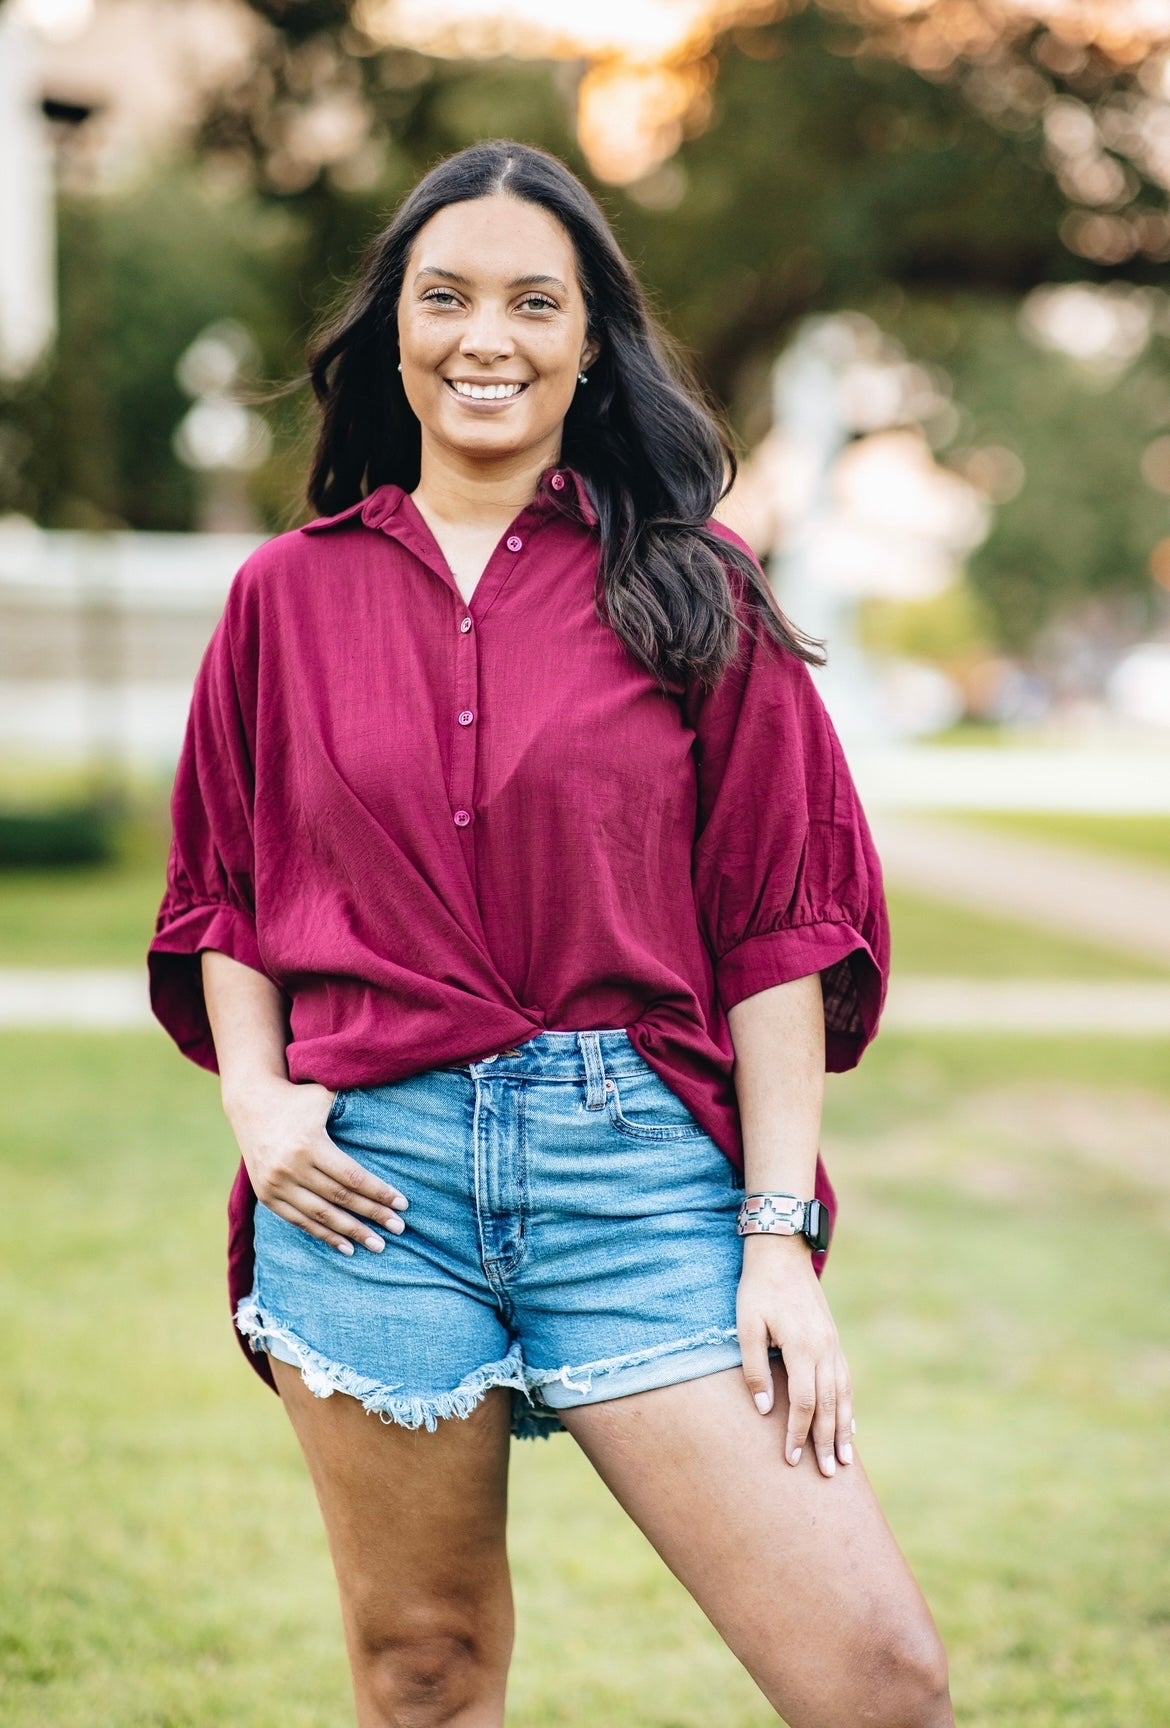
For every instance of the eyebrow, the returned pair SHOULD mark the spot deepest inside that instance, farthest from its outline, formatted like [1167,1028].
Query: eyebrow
[535,281]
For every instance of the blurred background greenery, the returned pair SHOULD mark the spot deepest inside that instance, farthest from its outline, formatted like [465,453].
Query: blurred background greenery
[976,192]
[916,163]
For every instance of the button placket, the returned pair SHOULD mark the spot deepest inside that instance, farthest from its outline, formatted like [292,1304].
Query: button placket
[463,742]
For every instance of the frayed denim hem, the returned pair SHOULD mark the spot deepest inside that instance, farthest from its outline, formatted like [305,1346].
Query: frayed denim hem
[532,1417]
[580,1379]
[323,1378]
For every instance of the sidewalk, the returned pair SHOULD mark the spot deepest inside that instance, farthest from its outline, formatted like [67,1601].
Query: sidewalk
[1098,899]
[116,1001]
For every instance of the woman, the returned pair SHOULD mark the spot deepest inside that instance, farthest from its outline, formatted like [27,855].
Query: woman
[520,895]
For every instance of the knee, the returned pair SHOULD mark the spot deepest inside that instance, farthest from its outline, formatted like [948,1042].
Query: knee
[428,1679]
[914,1687]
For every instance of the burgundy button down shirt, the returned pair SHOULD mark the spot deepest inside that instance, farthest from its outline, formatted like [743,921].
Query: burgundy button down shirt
[442,827]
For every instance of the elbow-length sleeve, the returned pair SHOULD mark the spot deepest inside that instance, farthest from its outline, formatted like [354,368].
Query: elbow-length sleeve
[210,900]
[786,875]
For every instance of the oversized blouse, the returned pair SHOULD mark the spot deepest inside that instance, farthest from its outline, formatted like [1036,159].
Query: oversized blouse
[442,827]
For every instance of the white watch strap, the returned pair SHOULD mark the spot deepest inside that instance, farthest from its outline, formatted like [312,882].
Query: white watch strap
[771,1214]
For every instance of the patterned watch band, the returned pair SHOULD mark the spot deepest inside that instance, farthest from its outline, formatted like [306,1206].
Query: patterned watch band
[774,1214]
[784,1215]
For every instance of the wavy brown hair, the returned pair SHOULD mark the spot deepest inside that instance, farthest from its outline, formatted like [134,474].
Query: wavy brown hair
[653,454]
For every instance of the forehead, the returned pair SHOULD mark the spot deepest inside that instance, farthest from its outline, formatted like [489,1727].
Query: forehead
[497,238]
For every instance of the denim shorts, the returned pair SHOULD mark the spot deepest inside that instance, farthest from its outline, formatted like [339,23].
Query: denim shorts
[570,1235]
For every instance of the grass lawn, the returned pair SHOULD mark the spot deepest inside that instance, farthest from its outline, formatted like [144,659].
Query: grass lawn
[1002,1284]
[934,938]
[105,917]
[92,915]
[1142,839]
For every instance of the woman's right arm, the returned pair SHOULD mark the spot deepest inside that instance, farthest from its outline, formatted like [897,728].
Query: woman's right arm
[296,1170]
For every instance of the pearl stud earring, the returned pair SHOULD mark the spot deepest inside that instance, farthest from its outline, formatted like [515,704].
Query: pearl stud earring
[582,378]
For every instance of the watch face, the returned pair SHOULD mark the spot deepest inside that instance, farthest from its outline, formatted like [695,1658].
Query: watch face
[818,1227]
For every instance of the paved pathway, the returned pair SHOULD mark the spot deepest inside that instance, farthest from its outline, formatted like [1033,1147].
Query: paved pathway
[1097,899]
[112,1001]
[1020,1005]
[94,1000]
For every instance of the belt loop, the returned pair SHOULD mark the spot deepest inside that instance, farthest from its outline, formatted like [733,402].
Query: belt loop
[590,1043]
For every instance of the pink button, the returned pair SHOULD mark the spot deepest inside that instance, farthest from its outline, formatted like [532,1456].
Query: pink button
[465,625]
[462,818]
[557,482]
[466,717]
[513,543]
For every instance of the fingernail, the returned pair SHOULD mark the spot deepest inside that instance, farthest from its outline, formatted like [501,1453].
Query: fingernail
[401,1202]
[375,1244]
[345,1247]
[795,1459]
[847,1453]
[763,1403]
[853,1425]
[827,1463]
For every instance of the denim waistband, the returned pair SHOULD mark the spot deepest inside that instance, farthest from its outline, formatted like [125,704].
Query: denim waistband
[587,1055]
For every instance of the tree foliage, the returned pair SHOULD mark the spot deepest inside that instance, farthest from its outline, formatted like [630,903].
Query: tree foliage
[835,168]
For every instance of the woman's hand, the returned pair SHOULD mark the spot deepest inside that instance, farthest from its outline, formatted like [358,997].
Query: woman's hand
[300,1173]
[780,1301]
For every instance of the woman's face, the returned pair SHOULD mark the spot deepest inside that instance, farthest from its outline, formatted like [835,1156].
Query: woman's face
[492,330]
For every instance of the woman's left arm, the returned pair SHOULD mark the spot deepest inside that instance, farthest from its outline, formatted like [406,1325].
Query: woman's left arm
[779,1039]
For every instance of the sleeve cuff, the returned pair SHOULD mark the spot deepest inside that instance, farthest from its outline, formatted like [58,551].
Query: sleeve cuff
[176,974]
[853,981]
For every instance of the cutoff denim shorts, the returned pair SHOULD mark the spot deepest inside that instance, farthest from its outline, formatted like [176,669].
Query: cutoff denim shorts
[570,1235]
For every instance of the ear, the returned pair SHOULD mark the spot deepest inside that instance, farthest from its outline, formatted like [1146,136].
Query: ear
[589,353]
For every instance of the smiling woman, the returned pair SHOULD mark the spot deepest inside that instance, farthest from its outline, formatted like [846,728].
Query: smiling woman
[521,896]
[490,360]
[499,268]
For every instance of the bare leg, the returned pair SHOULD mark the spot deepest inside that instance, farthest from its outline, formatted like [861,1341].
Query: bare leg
[799,1573]
[416,1527]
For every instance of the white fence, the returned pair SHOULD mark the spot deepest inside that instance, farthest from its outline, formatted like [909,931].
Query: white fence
[101,634]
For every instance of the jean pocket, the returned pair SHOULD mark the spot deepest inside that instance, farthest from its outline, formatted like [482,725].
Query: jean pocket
[337,1108]
[643,1107]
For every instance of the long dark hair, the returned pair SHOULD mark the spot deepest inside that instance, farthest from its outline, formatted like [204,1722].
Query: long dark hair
[654,457]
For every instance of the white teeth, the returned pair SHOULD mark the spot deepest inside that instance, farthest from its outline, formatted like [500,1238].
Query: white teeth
[486,392]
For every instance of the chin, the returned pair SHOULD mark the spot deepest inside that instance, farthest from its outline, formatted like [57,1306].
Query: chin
[495,441]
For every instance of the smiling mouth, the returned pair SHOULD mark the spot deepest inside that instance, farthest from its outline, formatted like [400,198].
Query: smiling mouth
[485,392]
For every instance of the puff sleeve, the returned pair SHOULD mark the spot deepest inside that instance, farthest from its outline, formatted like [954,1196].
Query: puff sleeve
[786,876]
[210,898]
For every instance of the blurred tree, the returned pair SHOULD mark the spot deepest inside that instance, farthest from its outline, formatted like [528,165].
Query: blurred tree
[843,161]
[942,147]
[141,272]
[1060,442]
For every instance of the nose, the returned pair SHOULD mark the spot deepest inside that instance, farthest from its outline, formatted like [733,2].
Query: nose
[486,337]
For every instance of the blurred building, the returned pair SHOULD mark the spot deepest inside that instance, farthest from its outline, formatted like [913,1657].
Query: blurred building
[91,91]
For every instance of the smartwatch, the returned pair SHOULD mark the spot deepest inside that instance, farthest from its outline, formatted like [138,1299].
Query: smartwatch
[785,1215]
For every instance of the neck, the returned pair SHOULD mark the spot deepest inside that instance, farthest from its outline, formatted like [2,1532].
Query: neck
[455,489]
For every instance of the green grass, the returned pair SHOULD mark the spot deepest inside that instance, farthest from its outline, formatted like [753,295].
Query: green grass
[105,917]
[1142,839]
[1002,1284]
[100,915]
[83,917]
[935,938]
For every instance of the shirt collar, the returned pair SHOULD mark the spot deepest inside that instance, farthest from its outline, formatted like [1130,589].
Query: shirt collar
[567,490]
[561,490]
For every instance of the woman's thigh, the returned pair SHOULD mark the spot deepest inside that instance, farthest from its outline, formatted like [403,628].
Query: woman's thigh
[416,1527]
[799,1573]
